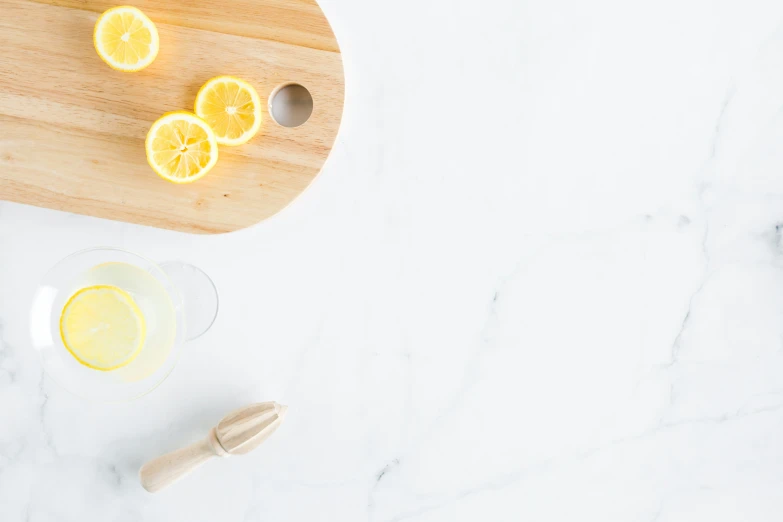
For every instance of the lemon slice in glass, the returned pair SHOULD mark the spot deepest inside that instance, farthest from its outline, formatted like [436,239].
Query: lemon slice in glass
[231,107]
[181,147]
[102,327]
[126,39]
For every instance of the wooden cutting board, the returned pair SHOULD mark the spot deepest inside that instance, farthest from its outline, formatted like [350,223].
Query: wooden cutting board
[72,130]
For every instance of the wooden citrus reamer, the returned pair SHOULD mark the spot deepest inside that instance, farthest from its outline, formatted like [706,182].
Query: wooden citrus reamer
[238,433]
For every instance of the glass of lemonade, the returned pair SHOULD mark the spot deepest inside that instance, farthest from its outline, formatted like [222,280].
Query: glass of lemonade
[110,325]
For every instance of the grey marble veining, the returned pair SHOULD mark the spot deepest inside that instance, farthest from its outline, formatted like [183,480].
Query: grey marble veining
[540,278]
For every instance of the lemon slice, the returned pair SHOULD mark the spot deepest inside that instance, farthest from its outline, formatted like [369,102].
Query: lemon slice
[126,39]
[231,107]
[102,327]
[181,147]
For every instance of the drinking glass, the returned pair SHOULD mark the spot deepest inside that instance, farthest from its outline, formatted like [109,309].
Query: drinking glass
[179,303]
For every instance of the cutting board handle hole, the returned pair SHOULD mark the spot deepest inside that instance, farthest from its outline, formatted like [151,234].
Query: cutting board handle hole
[291,105]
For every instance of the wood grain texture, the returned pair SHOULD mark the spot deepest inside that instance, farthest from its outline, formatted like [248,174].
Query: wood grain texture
[72,130]
[239,432]
[242,431]
[168,469]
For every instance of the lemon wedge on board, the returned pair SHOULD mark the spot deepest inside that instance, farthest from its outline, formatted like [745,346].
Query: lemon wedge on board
[126,39]
[102,327]
[231,107]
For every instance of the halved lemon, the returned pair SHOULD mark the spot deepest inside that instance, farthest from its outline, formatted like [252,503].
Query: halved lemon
[231,107]
[102,327]
[181,147]
[126,39]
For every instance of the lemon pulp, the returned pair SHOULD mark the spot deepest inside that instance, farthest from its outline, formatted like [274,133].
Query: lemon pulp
[231,107]
[126,39]
[181,147]
[102,327]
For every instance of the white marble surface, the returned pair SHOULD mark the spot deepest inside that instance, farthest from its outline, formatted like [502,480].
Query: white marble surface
[540,278]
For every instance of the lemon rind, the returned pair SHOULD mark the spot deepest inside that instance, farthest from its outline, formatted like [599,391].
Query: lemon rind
[169,116]
[136,311]
[251,133]
[153,31]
